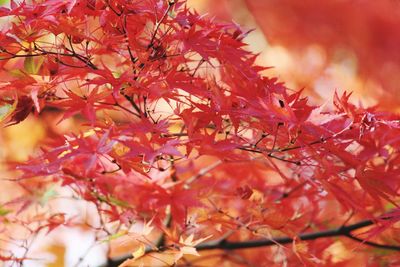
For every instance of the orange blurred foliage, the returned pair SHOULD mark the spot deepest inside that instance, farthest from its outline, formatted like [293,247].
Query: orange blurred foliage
[323,46]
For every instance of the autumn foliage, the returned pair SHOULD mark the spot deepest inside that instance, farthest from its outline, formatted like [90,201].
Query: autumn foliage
[366,31]
[183,147]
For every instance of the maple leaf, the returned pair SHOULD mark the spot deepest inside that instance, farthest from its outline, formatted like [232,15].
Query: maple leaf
[139,252]
[85,104]
[188,246]
[178,114]
[18,111]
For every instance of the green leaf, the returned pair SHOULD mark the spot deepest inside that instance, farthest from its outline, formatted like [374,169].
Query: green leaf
[113,200]
[5,110]
[172,14]
[49,194]
[116,74]
[32,65]
[4,212]
[114,236]
[118,202]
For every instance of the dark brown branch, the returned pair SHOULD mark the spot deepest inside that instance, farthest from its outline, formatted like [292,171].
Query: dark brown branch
[158,23]
[341,231]
[228,245]
[132,102]
[113,10]
[72,54]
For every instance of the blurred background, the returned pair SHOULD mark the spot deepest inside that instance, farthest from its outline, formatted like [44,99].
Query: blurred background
[323,46]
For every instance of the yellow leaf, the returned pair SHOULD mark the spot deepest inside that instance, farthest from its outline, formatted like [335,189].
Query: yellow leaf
[189,250]
[337,252]
[139,252]
[120,149]
[144,230]
[32,65]
[147,229]
[58,250]
[257,196]
[189,240]
[7,109]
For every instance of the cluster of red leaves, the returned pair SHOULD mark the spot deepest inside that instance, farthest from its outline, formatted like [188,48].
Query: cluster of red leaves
[182,127]
[368,29]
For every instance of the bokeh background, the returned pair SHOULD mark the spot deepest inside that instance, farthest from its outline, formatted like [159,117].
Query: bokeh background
[323,46]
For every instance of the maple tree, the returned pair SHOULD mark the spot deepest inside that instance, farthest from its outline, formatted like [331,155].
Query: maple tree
[182,145]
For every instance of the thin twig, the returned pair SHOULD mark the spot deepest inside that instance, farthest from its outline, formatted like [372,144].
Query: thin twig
[158,23]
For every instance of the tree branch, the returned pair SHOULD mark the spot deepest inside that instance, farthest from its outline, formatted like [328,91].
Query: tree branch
[227,245]
[340,231]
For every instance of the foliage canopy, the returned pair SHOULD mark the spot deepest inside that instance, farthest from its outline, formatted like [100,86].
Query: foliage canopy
[182,137]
